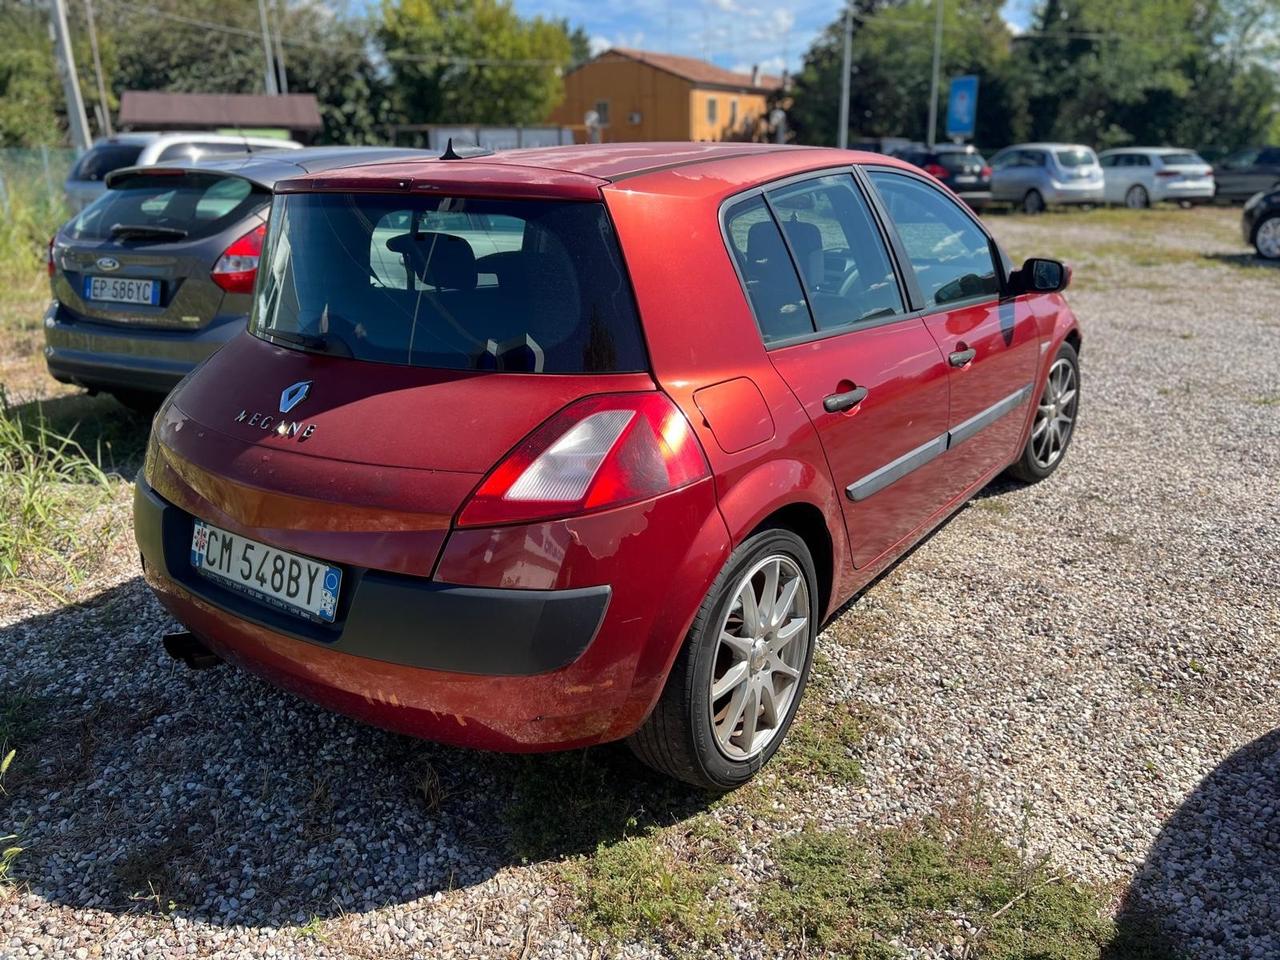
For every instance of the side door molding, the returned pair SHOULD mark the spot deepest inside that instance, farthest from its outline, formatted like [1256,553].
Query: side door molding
[895,470]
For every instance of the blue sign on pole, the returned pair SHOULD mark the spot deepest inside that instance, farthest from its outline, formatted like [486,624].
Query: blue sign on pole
[962,107]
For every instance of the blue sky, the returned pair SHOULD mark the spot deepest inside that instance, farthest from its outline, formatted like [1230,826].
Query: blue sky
[732,33]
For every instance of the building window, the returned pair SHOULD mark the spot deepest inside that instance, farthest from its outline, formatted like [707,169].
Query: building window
[712,109]
[733,114]
[602,112]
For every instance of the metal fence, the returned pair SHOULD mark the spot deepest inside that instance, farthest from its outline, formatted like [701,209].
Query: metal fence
[33,178]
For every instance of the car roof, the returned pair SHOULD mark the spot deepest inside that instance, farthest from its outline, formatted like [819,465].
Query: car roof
[1048,146]
[266,167]
[582,170]
[1149,150]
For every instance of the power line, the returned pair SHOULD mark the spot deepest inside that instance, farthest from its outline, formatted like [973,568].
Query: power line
[140,8]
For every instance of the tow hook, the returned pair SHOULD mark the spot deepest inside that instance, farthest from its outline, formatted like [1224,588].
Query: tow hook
[188,648]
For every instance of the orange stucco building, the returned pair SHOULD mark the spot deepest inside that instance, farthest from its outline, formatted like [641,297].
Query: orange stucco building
[639,95]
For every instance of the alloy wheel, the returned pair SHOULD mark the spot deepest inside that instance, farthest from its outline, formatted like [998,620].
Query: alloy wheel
[760,655]
[1267,239]
[1033,202]
[1136,198]
[1056,414]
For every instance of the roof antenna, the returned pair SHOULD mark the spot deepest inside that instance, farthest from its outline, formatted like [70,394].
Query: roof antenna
[448,152]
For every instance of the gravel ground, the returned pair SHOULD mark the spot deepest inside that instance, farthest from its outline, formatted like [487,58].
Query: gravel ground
[1091,657]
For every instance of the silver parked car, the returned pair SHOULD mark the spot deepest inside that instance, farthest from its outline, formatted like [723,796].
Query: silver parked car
[1141,176]
[158,272]
[1033,176]
[87,178]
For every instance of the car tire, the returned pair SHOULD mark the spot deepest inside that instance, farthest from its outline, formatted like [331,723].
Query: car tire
[1044,454]
[1136,197]
[682,737]
[144,403]
[1266,237]
[1033,203]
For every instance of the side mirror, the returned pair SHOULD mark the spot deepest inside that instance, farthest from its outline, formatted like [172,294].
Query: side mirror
[1040,275]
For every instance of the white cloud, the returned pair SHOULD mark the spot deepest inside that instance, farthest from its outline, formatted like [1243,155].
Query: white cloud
[600,43]
[774,65]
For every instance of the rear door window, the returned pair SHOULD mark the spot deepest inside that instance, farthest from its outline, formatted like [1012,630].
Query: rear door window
[158,207]
[950,255]
[104,158]
[525,286]
[767,272]
[838,249]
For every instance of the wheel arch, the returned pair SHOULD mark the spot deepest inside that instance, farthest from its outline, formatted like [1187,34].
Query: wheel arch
[808,523]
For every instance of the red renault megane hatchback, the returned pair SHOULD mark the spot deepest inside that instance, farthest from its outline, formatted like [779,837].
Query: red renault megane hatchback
[557,447]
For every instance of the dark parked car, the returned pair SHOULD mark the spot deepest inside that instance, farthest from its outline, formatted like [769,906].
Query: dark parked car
[1246,172]
[1260,223]
[962,168]
[156,273]
[564,446]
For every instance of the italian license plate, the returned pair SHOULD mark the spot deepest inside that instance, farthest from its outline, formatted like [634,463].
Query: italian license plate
[122,290]
[965,178]
[299,585]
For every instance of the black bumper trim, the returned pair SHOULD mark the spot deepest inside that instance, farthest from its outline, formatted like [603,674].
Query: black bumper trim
[395,618]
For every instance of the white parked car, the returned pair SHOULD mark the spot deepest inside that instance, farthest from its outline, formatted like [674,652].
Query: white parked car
[87,179]
[1141,176]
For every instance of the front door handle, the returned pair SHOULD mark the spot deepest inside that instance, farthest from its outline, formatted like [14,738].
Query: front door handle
[844,401]
[961,357]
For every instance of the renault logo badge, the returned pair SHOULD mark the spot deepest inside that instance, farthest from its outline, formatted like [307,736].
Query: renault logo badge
[294,395]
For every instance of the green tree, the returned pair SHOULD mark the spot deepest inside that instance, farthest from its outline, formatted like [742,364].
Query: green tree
[891,67]
[472,61]
[30,92]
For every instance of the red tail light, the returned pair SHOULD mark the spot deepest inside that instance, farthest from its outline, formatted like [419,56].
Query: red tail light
[935,170]
[1166,174]
[48,258]
[596,453]
[986,171]
[237,268]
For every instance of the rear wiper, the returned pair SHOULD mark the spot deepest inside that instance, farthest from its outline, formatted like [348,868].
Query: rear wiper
[311,341]
[319,342]
[142,231]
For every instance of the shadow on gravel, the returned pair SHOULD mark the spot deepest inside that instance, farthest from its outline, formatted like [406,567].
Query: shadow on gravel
[1249,261]
[1210,885]
[143,786]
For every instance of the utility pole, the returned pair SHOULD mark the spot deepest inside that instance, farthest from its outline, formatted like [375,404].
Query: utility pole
[76,119]
[937,66]
[272,87]
[843,137]
[281,10]
[103,106]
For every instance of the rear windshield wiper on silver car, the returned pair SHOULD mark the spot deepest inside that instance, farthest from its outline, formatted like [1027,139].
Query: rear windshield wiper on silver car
[142,231]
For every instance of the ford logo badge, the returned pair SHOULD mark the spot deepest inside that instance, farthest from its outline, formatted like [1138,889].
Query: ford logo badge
[108,264]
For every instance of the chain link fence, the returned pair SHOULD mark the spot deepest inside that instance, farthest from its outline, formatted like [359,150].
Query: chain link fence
[32,202]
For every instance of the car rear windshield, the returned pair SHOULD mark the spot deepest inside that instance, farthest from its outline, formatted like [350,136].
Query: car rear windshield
[158,207]
[526,286]
[955,160]
[1181,160]
[104,158]
[1075,158]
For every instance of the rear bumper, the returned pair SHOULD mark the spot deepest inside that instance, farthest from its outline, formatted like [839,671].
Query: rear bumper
[1195,190]
[479,666]
[110,356]
[977,199]
[1061,193]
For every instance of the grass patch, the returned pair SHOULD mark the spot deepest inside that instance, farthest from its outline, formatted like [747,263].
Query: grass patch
[655,884]
[1273,400]
[950,880]
[820,744]
[49,491]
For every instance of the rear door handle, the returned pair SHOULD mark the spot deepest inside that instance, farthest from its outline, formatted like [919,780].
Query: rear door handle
[961,357]
[844,401]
